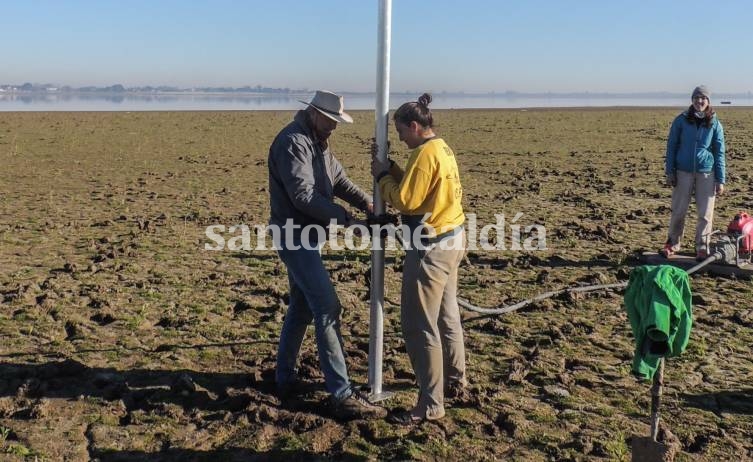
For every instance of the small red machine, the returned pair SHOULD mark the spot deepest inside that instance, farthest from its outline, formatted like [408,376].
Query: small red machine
[735,247]
[741,229]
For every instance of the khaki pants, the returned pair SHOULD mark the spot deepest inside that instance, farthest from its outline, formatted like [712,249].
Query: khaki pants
[705,195]
[430,320]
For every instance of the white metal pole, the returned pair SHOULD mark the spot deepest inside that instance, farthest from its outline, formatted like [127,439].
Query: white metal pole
[376,316]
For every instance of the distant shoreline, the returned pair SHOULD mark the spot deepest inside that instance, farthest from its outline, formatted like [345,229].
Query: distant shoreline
[359,111]
[233,101]
[721,97]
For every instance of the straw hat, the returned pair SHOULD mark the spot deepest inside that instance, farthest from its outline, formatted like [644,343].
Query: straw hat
[331,105]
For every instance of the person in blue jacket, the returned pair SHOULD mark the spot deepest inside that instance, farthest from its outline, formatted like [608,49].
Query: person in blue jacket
[694,162]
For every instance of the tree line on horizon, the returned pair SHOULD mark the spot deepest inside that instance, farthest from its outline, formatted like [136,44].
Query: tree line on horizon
[119,88]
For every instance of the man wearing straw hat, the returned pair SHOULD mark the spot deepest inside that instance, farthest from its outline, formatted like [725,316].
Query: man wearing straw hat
[304,179]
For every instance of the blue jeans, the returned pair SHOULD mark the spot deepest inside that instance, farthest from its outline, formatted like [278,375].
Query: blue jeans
[312,297]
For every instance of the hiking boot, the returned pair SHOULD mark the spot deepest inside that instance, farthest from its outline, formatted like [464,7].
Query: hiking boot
[701,255]
[357,406]
[667,251]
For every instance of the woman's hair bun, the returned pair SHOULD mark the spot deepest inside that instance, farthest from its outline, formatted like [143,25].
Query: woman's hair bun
[424,100]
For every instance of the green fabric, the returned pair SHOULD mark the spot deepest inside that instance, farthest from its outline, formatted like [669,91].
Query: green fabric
[659,306]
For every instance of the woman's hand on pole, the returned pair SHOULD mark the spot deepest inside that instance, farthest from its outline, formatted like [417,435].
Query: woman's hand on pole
[379,167]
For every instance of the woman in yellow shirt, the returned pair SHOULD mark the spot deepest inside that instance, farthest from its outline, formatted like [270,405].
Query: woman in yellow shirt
[428,194]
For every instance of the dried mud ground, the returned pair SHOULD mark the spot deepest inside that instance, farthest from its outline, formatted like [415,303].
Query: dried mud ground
[123,339]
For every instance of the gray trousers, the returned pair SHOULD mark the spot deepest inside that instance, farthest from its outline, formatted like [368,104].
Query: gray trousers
[430,319]
[704,186]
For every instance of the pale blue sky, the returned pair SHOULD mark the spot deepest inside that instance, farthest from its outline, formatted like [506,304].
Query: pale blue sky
[467,45]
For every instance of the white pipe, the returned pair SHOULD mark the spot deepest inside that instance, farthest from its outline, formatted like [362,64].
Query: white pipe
[376,315]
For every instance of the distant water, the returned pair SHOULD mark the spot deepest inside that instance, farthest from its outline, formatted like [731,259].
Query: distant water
[240,102]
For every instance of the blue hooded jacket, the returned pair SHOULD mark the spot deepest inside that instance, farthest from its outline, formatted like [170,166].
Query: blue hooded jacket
[694,147]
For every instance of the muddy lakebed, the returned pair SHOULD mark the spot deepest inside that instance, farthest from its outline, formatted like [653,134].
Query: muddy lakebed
[124,339]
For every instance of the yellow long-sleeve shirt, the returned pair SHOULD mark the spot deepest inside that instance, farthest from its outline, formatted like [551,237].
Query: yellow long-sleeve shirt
[429,184]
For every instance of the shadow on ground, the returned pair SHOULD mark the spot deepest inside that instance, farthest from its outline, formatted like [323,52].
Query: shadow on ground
[732,402]
[140,388]
[226,455]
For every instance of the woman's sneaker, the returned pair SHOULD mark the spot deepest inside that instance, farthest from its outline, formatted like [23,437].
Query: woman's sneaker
[667,251]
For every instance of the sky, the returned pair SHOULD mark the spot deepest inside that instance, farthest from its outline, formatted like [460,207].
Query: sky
[473,46]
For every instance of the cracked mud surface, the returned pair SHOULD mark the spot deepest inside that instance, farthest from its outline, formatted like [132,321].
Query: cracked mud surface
[122,339]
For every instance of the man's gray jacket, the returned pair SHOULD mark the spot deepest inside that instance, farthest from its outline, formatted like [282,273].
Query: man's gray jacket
[304,179]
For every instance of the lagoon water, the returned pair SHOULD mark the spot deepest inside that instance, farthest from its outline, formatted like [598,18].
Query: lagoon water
[245,102]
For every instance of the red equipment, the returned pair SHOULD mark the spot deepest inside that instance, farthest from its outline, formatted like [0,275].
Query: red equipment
[741,228]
